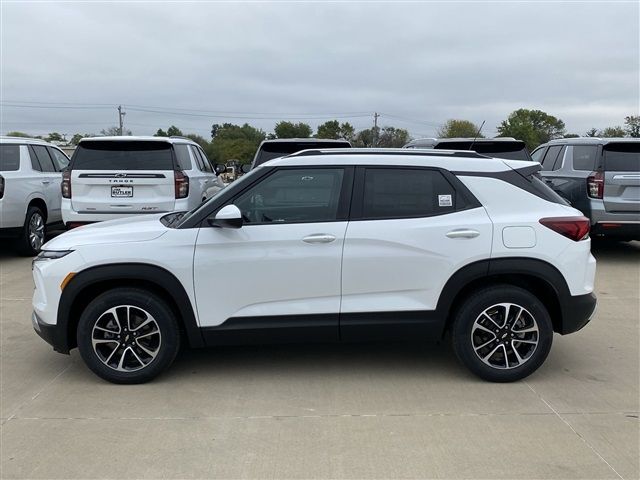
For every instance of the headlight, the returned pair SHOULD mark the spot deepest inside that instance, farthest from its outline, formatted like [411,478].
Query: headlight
[51,254]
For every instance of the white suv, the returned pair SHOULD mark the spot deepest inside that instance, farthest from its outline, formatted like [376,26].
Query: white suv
[115,177]
[29,190]
[325,246]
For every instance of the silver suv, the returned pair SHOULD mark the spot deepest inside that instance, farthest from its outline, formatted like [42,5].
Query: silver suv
[29,190]
[600,177]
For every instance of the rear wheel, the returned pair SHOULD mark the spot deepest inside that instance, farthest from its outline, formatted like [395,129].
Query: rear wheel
[128,335]
[33,232]
[502,333]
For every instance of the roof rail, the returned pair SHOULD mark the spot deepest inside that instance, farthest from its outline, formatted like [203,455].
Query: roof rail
[401,152]
[182,137]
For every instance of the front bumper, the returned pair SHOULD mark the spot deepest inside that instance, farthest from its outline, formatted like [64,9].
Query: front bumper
[50,334]
[577,311]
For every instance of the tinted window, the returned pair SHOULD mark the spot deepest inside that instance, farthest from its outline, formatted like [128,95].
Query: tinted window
[123,155]
[194,152]
[550,158]
[293,196]
[271,150]
[182,155]
[204,160]
[60,160]
[538,155]
[45,161]
[9,158]
[398,193]
[622,157]
[584,157]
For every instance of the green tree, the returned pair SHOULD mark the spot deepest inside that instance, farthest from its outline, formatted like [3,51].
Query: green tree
[632,125]
[365,138]
[199,140]
[334,130]
[54,137]
[391,137]
[18,134]
[161,133]
[292,130]
[532,126]
[234,142]
[592,132]
[174,131]
[77,137]
[611,132]
[458,128]
[114,132]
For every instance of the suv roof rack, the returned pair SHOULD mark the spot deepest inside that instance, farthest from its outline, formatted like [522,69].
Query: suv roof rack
[389,151]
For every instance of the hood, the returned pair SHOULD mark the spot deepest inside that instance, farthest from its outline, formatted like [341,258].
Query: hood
[124,230]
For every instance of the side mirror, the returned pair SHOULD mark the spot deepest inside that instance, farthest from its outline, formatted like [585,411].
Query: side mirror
[220,168]
[245,168]
[229,216]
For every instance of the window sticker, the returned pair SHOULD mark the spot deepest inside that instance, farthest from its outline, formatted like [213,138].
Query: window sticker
[445,201]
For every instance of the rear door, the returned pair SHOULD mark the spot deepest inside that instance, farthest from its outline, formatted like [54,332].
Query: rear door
[622,177]
[50,178]
[128,176]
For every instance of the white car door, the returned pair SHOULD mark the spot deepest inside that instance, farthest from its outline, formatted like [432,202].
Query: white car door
[410,230]
[282,268]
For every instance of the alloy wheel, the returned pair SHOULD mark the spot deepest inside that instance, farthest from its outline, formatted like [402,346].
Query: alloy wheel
[126,338]
[505,336]
[36,231]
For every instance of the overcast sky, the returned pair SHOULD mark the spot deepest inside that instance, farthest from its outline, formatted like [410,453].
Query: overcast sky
[418,64]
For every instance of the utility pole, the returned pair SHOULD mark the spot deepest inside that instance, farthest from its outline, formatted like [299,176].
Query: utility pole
[121,115]
[375,129]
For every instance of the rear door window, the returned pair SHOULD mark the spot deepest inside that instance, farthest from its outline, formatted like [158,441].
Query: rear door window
[9,158]
[550,158]
[44,159]
[405,193]
[584,157]
[622,157]
[123,155]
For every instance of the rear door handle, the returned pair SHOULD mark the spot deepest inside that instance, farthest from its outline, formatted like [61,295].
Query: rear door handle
[46,182]
[463,233]
[319,238]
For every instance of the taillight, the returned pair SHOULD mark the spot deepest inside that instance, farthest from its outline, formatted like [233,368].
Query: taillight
[182,184]
[1,186]
[575,228]
[595,184]
[65,186]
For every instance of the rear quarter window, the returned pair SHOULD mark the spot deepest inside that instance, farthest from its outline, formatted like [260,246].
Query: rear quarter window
[584,157]
[123,155]
[9,158]
[182,155]
[622,157]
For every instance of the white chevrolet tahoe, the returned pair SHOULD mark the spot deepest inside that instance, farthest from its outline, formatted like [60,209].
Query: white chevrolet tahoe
[29,190]
[115,177]
[333,245]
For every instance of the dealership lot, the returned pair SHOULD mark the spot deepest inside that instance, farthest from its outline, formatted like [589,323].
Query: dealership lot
[346,411]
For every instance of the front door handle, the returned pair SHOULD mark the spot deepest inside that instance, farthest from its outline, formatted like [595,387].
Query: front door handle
[46,182]
[463,233]
[319,238]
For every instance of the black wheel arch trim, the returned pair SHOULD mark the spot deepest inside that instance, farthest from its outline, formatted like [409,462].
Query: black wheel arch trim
[148,273]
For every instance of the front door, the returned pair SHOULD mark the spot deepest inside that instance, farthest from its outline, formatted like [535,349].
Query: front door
[278,276]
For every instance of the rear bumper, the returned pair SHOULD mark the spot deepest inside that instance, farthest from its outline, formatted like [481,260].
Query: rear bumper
[70,216]
[50,334]
[614,224]
[577,311]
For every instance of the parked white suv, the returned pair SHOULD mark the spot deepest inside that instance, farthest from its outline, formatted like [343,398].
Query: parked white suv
[29,190]
[325,246]
[115,177]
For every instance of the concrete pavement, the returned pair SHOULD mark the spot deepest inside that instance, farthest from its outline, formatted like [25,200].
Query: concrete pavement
[328,411]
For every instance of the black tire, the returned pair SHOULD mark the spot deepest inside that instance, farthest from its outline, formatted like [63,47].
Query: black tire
[467,335]
[146,307]
[26,245]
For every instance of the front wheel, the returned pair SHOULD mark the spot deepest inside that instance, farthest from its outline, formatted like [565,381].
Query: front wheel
[502,333]
[128,335]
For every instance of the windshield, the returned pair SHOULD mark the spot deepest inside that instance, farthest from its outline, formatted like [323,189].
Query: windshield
[123,155]
[505,150]
[235,185]
[622,157]
[272,150]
